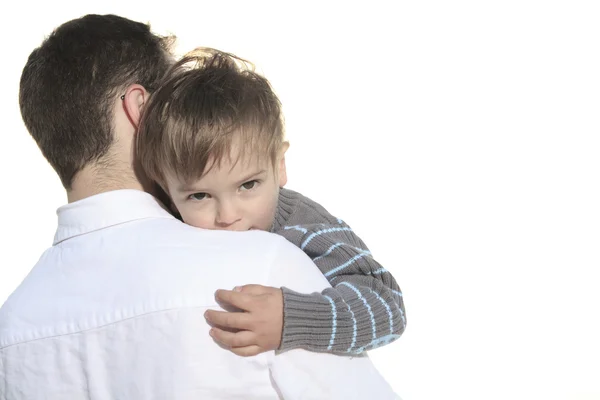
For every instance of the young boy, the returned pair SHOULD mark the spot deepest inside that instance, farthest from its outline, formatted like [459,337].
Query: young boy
[212,137]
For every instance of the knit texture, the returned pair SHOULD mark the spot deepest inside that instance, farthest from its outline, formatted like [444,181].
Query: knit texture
[362,310]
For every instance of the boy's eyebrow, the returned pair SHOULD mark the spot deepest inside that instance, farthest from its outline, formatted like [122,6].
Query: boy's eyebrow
[184,187]
[252,175]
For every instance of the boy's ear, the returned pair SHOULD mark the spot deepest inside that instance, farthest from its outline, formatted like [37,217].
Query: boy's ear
[282,172]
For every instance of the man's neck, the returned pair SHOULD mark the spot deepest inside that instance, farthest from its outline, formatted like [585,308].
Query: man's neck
[94,180]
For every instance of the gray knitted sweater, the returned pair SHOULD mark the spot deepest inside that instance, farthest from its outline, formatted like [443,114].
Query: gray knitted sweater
[363,309]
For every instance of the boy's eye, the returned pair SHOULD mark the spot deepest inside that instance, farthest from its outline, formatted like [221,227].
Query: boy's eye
[249,185]
[198,196]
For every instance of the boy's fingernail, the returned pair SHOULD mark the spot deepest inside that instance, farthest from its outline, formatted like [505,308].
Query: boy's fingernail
[237,289]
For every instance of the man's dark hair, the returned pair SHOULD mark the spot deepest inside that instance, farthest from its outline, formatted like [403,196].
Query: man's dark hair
[70,82]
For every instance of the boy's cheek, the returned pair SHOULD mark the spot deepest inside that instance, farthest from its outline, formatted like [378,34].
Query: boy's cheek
[193,218]
[201,218]
[265,218]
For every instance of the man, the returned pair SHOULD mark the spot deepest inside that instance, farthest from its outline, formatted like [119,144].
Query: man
[115,308]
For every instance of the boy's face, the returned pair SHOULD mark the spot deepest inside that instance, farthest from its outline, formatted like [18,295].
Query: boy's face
[236,196]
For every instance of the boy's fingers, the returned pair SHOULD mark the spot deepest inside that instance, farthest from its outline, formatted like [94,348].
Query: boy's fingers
[231,339]
[226,319]
[255,289]
[237,299]
[247,351]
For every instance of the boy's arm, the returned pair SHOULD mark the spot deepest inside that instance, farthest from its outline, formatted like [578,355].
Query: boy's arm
[363,309]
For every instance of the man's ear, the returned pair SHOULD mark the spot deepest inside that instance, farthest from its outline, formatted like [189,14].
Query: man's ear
[281,169]
[133,101]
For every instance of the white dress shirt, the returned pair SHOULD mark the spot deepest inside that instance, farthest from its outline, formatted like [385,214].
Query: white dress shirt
[115,310]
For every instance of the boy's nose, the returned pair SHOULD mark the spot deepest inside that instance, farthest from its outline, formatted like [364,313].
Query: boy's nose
[227,217]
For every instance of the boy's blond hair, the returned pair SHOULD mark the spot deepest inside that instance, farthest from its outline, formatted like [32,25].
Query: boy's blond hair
[208,102]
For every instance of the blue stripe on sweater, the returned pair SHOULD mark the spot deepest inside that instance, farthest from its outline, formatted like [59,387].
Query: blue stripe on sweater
[380,271]
[335,246]
[387,339]
[334,317]
[318,233]
[366,303]
[297,228]
[399,308]
[389,311]
[402,316]
[354,329]
[346,264]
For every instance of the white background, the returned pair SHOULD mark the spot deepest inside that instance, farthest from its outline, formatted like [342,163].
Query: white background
[460,139]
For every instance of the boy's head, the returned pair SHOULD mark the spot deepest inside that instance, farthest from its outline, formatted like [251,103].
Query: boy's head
[212,137]
[72,83]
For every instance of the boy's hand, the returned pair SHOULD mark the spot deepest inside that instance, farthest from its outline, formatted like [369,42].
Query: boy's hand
[256,328]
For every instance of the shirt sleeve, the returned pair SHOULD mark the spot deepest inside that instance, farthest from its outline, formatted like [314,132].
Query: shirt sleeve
[364,309]
[301,374]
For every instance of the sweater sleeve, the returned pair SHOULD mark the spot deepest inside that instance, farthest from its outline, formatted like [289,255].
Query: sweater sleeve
[364,307]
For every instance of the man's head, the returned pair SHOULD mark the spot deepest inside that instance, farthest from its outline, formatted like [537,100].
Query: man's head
[212,137]
[71,89]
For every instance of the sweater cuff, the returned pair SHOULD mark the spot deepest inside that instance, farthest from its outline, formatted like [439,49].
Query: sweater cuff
[307,321]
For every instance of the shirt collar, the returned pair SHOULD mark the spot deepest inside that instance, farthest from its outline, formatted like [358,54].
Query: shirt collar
[106,209]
